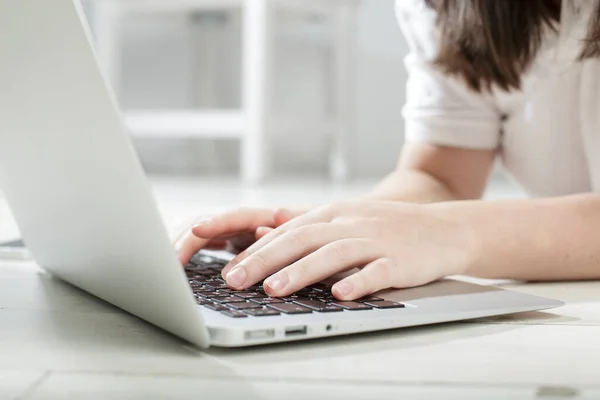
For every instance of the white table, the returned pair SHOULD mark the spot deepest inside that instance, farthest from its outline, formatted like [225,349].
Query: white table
[57,342]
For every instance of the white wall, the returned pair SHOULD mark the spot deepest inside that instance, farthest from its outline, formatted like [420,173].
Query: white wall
[158,69]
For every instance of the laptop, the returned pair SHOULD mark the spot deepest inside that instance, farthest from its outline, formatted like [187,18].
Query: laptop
[86,211]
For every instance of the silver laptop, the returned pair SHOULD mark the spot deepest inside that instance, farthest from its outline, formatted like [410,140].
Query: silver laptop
[86,212]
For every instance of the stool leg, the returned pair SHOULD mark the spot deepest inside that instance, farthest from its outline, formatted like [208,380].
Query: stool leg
[344,60]
[256,66]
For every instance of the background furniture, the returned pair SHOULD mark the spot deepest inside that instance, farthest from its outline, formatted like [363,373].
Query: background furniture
[256,118]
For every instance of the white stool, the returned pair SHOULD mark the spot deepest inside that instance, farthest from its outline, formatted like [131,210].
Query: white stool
[252,123]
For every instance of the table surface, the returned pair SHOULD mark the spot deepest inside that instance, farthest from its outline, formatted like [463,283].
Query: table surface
[59,342]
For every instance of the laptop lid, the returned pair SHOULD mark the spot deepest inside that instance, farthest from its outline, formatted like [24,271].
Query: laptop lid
[71,176]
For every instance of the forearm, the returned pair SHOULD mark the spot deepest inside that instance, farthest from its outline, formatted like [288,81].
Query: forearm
[411,186]
[549,239]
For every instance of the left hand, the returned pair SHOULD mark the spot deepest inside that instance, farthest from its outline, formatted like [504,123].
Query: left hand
[394,245]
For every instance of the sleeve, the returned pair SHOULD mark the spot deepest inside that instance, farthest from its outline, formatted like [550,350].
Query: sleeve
[441,109]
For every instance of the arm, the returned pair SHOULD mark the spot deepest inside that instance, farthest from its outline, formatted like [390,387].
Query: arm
[546,239]
[427,173]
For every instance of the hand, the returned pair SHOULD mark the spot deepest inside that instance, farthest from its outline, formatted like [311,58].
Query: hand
[394,245]
[233,231]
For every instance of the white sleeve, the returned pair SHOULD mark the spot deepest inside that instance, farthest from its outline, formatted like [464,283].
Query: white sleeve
[441,109]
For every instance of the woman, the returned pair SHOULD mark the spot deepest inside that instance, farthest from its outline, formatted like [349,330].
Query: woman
[518,80]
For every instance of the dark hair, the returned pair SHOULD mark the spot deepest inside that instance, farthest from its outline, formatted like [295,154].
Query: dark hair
[492,42]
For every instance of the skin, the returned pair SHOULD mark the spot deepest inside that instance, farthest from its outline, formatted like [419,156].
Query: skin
[423,222]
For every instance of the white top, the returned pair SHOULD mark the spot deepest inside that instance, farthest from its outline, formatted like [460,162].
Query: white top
[547,134]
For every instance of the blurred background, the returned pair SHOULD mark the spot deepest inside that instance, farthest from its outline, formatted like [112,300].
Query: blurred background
[257,102]
[170,56]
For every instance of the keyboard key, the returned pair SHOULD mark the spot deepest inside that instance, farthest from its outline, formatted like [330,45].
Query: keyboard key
[205,293]
[290,308]
[295,297]
[202,301]
[261,312]
[318,306]
[244,306]
[217,297]
[324,299]
[200,259]
[230,299]
[248,295]
[206,273]
[217,285]
[215,306]
[320,287]
[351,305]
[370,298]
[234,314]
[385,304]
[266,300]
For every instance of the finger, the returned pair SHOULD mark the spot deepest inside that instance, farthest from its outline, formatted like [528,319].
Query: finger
[376,276]
[327,261]
[229,236]
[282,216]
[212,245]
[262,232]
[237,245]
[189,246]
[314,217]
[284,250]
[243,220]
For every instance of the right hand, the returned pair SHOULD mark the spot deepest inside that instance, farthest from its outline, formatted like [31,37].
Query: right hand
[233,231]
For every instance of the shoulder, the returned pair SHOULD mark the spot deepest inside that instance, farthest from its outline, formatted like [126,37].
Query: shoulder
[418,24]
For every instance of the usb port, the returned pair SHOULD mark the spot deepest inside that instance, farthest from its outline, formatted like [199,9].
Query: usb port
[259,334]
[295,330]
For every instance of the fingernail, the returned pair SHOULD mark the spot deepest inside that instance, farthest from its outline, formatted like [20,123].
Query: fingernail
[202,222]
[236,277]
[343,288]
[278,282]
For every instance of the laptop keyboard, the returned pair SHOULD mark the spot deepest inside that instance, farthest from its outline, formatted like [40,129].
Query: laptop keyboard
[211,291]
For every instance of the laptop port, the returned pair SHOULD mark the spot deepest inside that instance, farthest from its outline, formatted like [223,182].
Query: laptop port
[295,330]
[259,334]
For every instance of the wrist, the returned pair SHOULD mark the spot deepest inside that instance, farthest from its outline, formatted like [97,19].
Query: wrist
[464,236]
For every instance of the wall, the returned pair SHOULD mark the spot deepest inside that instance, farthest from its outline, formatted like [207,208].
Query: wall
[158,67]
